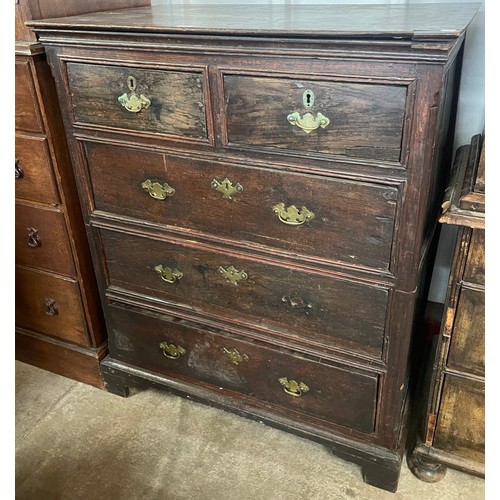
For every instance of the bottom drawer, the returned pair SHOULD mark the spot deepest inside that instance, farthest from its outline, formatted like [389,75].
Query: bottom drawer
[50,304]
[338,394]
[461,418]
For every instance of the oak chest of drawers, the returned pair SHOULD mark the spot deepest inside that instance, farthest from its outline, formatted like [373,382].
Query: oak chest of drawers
[260,188]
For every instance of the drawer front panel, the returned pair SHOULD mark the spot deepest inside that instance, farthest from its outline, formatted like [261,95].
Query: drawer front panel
[34,181]
[347,119]
[352,222]
[461,420]
[41,240]
[309,306]
[27,113]
[50,304]
[475,268]
[143,100]
[467,348]
[338,394]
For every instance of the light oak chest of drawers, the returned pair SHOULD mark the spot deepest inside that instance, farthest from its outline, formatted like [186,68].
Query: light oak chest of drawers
[261,197]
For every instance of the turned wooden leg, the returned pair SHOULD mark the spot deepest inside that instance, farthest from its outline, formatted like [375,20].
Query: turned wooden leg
[425,469]
[381,476]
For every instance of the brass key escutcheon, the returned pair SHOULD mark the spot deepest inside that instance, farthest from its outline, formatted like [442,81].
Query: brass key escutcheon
[172,351]
[227,188]
[292,387]
[292,215]
[167,274]
[234,356]
[133,103]
[156,190]
[232,275]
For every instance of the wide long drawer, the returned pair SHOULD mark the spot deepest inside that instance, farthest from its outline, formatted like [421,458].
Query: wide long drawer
[327,218]
[141,99]
[336,393]
[42,241]
[50,304]
[309,306]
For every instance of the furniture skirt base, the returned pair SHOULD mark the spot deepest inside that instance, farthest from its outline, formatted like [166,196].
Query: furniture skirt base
[379,467]
[65,359]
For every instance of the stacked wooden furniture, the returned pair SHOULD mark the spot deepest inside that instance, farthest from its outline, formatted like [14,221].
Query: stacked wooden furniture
[59,320]
[452,431]
[261,187]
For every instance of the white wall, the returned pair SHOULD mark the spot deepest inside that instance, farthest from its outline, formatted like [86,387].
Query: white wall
[471,104]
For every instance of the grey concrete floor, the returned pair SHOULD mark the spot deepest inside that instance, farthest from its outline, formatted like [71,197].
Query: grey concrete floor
[77,442]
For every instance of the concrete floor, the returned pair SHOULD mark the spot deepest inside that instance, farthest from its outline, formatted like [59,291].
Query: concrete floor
[77,442]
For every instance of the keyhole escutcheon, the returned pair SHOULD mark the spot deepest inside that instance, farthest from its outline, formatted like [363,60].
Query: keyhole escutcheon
[308,98]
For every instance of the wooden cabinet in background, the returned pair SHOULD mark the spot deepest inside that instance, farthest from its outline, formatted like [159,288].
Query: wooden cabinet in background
[59,319]
[452,430]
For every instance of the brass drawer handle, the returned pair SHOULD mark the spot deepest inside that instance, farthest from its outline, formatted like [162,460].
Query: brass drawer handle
[292,215]
[297,303]
[232,275]
[226,188]
[172,351]
[33,238]
[133,103]
[167,274]
[18,169]
[234,356]
[156,190]
[308,122]
[292,387]
[50,307]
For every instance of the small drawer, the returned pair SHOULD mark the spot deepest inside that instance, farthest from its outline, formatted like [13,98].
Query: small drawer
[335,393]
[333,219]
[313,308]
[42,241]
[467,347]
[27,112]
[475,268]
[50,304]
[460,428]
[34,179]
[315,117]
[140,99]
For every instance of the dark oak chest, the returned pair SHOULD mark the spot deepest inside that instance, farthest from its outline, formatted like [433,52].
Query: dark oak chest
[260,197]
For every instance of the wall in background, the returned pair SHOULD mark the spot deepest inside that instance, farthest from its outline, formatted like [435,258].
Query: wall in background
[471,105]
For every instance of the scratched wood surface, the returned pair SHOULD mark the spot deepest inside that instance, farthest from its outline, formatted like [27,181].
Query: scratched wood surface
[366,120]
[375,21]
[136,339]
[368,209]
[261,299]
[176,99]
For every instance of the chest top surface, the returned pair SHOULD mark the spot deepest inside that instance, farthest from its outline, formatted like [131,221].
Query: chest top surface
[403,21]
